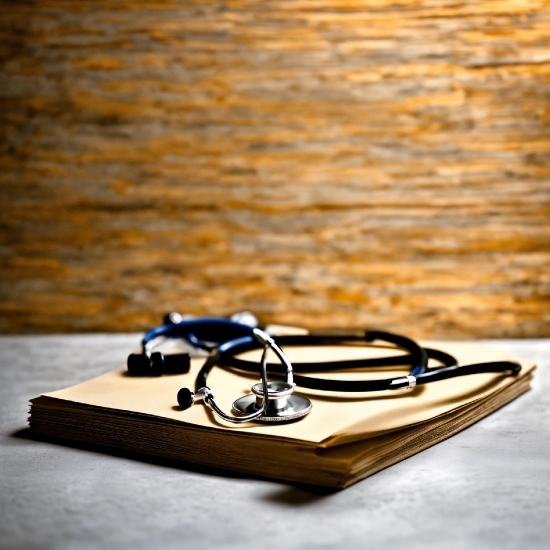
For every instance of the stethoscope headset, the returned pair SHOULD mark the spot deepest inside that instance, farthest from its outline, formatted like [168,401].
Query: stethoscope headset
[274,400]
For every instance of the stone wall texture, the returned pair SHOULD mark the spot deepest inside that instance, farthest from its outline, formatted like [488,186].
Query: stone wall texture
[328,163]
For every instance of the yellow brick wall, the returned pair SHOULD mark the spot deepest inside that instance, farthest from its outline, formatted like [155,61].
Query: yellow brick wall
[327,163]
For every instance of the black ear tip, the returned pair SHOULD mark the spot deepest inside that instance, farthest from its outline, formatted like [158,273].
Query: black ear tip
[185,398]
[157,363]
[138,364]
[178,363]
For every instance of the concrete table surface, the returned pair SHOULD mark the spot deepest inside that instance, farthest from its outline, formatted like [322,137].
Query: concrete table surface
[486,487]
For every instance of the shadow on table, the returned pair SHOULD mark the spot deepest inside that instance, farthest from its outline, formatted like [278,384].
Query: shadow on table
[287,494]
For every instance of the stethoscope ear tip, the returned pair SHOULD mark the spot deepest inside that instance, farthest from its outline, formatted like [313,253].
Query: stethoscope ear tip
[138,364]
[185,398]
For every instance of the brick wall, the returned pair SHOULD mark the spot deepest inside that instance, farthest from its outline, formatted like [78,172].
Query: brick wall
[324,163]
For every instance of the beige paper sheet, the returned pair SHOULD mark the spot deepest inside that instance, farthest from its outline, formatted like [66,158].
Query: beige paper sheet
[335,418]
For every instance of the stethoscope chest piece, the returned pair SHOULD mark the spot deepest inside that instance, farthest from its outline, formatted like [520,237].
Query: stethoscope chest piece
[283,405]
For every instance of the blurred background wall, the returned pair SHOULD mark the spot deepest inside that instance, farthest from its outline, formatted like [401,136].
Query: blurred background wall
[329,163]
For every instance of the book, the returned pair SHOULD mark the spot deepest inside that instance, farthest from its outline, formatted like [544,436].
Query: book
[345,438]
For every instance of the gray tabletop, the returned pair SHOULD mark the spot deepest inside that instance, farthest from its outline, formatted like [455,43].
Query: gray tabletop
[486,487]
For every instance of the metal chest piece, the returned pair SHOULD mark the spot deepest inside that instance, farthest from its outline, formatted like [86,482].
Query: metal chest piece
[283,404]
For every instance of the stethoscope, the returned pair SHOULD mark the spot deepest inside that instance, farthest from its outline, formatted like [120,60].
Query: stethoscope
[275,400]
[270,400]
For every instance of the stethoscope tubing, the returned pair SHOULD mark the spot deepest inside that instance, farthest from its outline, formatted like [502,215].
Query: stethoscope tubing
[417,357]
[225,340]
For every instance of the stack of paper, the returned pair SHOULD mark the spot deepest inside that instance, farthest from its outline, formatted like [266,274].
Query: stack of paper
[346,437]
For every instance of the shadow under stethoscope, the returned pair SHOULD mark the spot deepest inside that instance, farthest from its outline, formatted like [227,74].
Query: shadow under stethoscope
[127,374]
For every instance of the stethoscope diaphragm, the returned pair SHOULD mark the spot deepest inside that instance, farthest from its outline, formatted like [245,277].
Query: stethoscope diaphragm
[283,404]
